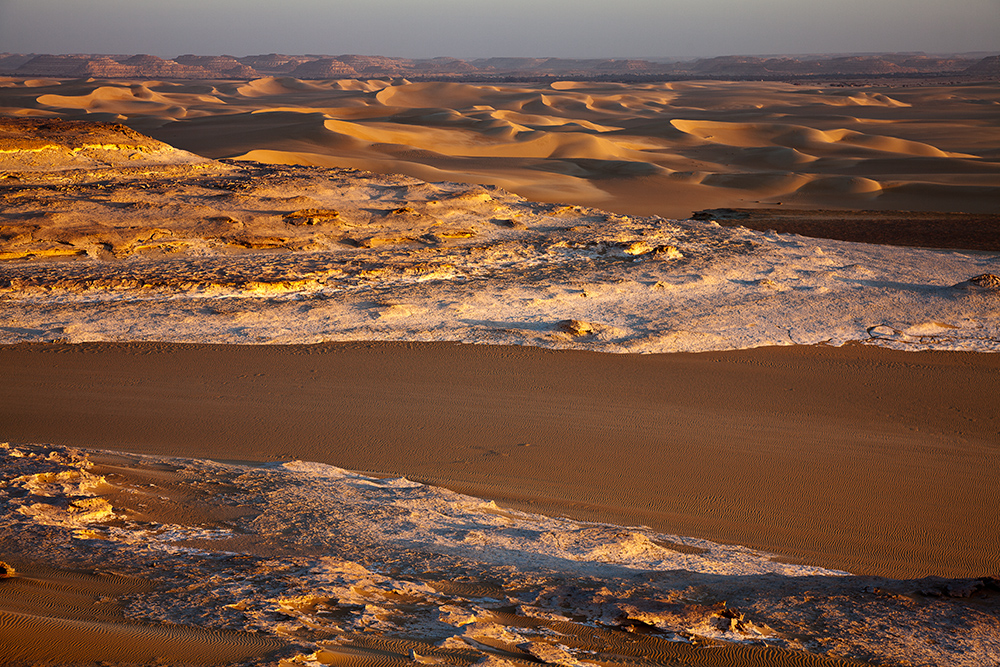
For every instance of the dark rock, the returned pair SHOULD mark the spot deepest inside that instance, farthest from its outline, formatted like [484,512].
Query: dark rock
[989,282]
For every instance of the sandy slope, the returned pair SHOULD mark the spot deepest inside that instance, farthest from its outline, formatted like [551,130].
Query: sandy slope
[664,149]
[59,616]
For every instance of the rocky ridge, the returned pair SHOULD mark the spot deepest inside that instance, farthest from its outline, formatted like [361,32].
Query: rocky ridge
[313,66]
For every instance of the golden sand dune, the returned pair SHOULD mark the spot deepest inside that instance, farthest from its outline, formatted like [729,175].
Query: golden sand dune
[811,142]
[665,149]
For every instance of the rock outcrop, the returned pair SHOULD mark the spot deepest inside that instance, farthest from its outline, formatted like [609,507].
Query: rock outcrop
[987,67]
[325,68]
[190,66]
[49,144]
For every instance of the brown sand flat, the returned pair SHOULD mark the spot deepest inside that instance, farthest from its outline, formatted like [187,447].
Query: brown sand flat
[868,460]
[642,149]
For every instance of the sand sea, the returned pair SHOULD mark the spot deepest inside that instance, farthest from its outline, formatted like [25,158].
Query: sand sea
[380,373]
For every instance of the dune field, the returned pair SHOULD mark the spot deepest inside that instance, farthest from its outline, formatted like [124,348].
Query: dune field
[656,149]
[377,373]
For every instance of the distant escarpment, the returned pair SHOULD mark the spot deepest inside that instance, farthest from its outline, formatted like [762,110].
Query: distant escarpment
[987,68]
[361,66]
[126,67]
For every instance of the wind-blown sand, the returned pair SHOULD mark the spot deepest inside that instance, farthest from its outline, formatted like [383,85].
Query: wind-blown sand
[643,149]
[878,462]
[69,617]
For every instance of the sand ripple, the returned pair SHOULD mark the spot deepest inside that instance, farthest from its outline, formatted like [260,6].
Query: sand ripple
[30,638]
[52,616]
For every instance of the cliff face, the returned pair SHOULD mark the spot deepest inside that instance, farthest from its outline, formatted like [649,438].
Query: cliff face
[141,66]
[325,68]
[105,68]
[227,65]
[190,66]
[48,65]
[988,67]
[376,64]
[435,65]
[886,64]
[151,66]
[11,61]
[274,63]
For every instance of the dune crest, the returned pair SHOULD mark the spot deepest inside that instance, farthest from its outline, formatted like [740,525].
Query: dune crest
[659,148]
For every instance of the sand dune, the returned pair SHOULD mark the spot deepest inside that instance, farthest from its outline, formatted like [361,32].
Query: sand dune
[874,461]
[805,140]
[664,149]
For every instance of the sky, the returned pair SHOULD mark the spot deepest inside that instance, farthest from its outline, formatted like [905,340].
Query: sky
[477,29]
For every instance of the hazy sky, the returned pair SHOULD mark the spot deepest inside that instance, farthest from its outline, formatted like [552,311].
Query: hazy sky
[474,28]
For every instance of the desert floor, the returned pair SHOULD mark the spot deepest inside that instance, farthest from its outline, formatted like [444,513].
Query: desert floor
[663,149]
[775,505]
[867,460]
